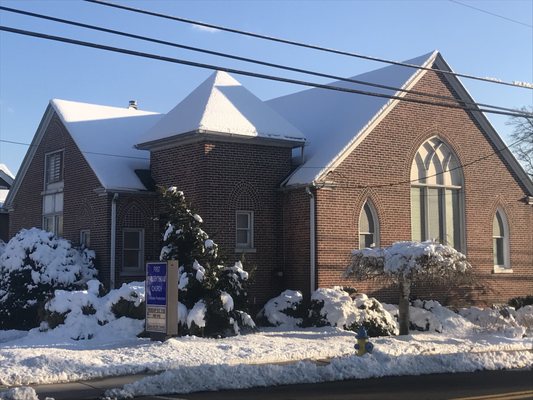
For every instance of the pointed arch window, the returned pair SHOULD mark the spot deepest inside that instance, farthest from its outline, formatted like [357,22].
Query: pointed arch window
[368,227]
[436,199]
[500,242]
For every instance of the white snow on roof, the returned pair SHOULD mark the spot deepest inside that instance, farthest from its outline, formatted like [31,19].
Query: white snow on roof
[331,120]
[106,137]
[5,170]
[222,105]
[3,195]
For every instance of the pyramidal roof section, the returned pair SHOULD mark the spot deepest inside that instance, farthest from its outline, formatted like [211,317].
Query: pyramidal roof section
[221,105]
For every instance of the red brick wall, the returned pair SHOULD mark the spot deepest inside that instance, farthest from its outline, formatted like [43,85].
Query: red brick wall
[385,156]
[219,178]
[83,209]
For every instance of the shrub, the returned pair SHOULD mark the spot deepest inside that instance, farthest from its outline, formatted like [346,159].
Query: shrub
[284,310]
[33,265]
[519,302]
[374,318]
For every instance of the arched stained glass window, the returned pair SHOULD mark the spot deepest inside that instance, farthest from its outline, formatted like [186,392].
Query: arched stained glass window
[436,201]
[368,227]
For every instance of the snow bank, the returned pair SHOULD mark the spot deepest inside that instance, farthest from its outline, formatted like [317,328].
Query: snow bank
[20,393]
[502,320]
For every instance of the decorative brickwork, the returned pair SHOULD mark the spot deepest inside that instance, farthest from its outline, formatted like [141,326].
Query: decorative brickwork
[385,156]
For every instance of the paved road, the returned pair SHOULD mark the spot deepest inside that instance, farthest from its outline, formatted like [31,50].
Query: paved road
[489,385]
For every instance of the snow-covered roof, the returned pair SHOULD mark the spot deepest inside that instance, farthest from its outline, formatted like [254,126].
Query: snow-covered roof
[6,180]
[106,137]
[332,120]
[221,105]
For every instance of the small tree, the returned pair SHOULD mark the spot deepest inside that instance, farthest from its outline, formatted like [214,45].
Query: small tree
[523,132]
[406,262]
[212,296]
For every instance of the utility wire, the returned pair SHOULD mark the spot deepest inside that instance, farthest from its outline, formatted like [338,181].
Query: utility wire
[254,74]
[490,13]
[301,44]
[250,60]
[85,152]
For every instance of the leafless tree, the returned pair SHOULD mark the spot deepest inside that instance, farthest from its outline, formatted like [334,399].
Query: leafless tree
[523,132]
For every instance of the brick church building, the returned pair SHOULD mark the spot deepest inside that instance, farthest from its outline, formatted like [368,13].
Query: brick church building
[292,184]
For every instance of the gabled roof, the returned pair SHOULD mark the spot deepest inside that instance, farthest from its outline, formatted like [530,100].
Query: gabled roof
[221,105]
[333,120]
[106,137]
[6,180]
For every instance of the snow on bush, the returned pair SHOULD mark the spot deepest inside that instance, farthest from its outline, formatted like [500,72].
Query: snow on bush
[81,314]
[34,264]
[335,307]
[20,393]
[496,319]
[332,307]
[284,310]
[524,316]
[2,246]
[213,295]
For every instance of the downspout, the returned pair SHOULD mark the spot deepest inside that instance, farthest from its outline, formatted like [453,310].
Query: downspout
[113,240]
[312,237]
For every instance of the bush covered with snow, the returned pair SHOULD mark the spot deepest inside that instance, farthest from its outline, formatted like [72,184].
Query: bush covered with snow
[285,310]
[34,264]
[497,319]
[2,246]
[213,296]
[335,307]
[80,314]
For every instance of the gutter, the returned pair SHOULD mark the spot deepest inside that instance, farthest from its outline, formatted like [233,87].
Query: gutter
[112,265]
[312,236]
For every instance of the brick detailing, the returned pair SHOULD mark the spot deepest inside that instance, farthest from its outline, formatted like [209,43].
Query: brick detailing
[79,184]
[219,178]
[385,156]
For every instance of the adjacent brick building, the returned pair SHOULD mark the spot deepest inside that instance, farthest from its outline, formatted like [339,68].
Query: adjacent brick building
[291,185]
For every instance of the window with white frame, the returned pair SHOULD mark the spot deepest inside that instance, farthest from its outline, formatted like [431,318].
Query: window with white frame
[368,227]
[85,238]
[500,242]
[436,199]
[133,250]
[53,213]
[244,224]
[53,193]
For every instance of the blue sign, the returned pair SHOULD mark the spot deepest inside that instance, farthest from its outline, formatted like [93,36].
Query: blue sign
[156,283]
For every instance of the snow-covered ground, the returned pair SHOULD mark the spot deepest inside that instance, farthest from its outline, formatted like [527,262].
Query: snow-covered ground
[193,364]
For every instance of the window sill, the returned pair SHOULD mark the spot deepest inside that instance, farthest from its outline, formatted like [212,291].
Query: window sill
[501,270]
[245,250]
[132,273]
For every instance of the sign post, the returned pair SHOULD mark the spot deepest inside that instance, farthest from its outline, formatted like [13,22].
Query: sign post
[162,299]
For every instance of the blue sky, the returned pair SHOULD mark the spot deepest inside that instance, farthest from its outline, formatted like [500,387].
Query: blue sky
[33,71]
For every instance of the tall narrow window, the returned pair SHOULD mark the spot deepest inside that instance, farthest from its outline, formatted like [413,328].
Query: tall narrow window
[244,224]
[133,251]
[368,227]
[500,242]
[53,193]
[85,238]
[54,167]
[436,202]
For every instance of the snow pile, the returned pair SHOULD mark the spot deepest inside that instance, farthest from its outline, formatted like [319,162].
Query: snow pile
[20,393]
[2,247]
[83,314]
[35,263]
[283,310]
[498,319]
[524,316]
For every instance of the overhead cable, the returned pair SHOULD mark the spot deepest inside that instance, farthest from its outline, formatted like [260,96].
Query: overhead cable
[250,60]
[255,74]
[305,45]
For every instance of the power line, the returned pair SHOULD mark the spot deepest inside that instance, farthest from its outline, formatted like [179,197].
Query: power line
[490,13]
[254,74]
[85,152]
[301,44]
[250,60]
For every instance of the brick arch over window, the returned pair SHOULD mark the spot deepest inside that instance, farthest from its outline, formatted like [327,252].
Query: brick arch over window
[85,215]
[134,212]
[244,195]
[437,203]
